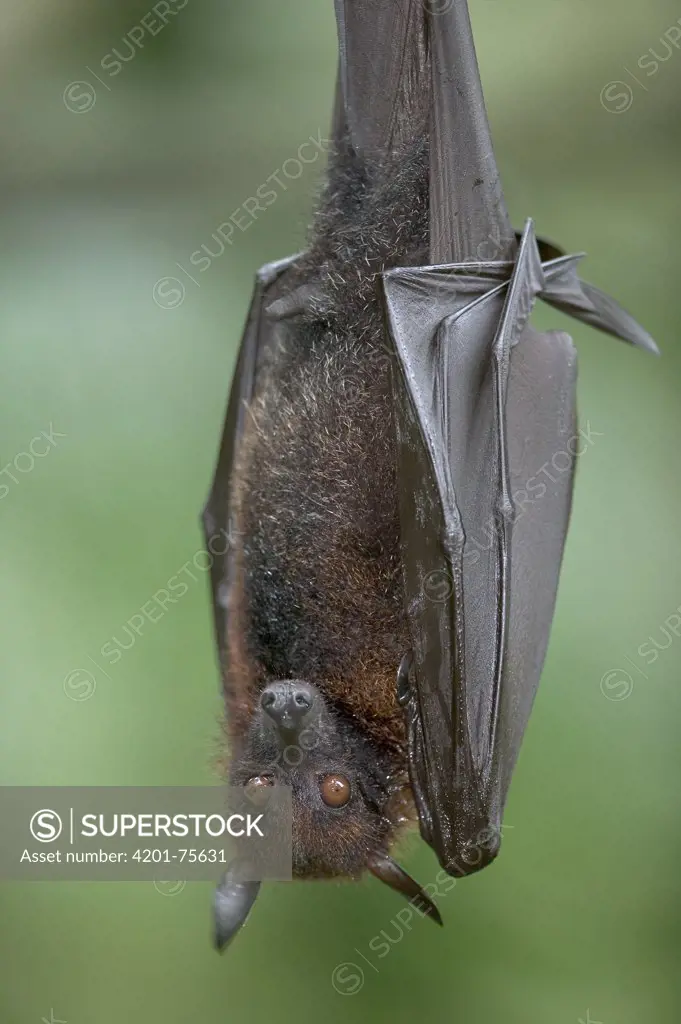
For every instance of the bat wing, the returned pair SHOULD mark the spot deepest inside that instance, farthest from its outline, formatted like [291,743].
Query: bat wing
[487,441]
[382,63]
[259,338]
[566,291]
[481,401]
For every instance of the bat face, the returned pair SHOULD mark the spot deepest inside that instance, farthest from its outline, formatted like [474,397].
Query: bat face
[347,807]
[339,782]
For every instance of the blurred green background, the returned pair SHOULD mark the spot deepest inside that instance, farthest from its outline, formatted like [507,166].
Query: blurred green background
[579,918]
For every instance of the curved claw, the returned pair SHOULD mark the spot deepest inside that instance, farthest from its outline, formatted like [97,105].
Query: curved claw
[384,868]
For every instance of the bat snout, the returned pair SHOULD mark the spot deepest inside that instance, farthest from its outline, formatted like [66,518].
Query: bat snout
[288,704]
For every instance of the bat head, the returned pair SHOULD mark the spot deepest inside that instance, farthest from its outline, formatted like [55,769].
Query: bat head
[340,782]
[345,796]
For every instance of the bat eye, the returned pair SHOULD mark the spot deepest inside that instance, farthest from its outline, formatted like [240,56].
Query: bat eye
[257,789]
[335,790]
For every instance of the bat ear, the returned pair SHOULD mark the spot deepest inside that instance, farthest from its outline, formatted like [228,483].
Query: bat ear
[385,868]
[232,905]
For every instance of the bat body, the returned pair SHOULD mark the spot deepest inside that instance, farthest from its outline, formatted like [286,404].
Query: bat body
[396,475]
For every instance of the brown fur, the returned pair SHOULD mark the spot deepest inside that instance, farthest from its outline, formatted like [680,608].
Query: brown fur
[316,584]
[318,594]
[329,530]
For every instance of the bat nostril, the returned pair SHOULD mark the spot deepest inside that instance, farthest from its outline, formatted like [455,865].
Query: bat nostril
[287,703]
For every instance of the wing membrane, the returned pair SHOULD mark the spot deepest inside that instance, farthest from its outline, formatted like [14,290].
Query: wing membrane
[259,335]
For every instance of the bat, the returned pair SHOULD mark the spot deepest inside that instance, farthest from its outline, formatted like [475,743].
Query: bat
[396,472]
